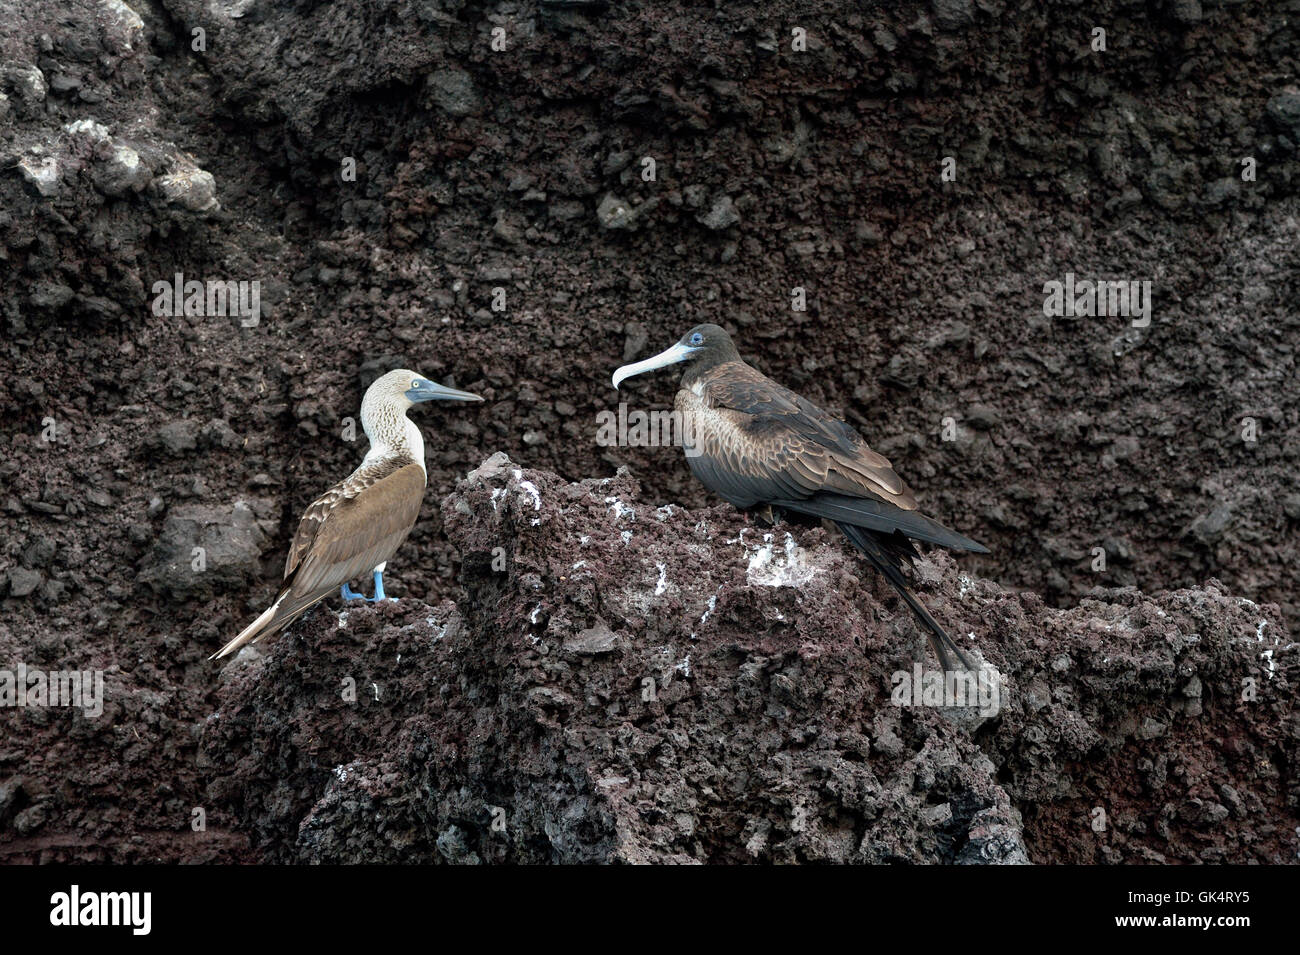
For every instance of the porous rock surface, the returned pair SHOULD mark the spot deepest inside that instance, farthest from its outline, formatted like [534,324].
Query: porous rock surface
[141,139]
[625,682]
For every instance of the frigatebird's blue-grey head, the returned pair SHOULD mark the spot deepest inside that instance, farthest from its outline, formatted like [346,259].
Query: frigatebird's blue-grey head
[702,347]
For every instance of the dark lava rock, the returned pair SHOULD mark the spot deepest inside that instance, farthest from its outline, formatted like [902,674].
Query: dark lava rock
[1108,165]
[652,684]
[1284,110]
[177,437]
[231,542]
[1187,11]
[1210,528]
[120,170]
[11,799]
[23,581]
[453,91]
[983,417]
[953,14]
[721,215]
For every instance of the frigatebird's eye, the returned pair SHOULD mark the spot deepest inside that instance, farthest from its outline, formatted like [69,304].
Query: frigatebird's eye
[697,339]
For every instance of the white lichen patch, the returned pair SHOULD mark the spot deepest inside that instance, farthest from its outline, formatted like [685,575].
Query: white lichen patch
[439,630]
[712,606]
[42,172]
[191,188]
[708,612]
[123,23]
[619,509]
[87,128]
[788,567]
[529,488]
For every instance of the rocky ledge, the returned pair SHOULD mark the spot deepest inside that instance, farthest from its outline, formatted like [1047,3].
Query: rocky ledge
[632,683]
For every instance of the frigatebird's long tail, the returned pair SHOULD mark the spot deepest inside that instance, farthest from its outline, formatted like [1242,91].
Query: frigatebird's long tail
[885,555]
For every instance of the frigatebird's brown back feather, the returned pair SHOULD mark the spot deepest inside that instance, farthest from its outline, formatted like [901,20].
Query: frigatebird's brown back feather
[767,442]
[758,443]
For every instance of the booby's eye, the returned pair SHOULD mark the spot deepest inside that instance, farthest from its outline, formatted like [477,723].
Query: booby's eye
[697,339]
[415,382]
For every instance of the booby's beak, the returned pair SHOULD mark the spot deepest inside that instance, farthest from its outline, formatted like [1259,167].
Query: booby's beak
[425,390]
[672,356]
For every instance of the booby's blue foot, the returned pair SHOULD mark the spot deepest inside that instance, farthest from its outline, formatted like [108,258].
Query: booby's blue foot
[350,594]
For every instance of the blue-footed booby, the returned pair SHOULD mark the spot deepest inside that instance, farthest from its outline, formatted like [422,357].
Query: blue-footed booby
[763,447]
[354,527]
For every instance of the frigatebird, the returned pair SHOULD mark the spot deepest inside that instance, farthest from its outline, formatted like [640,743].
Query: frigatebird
[766,449]
[354,527]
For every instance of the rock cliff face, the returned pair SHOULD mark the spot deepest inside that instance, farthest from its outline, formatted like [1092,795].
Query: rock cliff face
[385,171]
[625,682]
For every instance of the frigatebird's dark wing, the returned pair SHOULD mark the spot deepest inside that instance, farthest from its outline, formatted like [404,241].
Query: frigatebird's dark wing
[881,516]
[756,442]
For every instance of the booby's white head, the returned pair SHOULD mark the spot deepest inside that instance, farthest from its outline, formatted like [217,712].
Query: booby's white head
[403,388]
[383,411]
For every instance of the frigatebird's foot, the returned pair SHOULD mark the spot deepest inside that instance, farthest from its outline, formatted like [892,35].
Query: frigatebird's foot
[764,516]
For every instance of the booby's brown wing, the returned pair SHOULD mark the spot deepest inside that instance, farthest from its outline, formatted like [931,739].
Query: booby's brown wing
[756,441]
[347,531]
[354,526]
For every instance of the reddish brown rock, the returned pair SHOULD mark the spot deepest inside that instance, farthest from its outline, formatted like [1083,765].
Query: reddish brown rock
[651,684]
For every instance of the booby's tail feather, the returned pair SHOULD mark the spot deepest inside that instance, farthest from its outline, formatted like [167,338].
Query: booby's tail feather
[254,630]
[884,555]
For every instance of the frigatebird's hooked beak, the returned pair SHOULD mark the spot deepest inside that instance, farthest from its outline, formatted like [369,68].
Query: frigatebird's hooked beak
[422,389]
[671,356]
